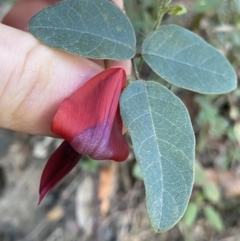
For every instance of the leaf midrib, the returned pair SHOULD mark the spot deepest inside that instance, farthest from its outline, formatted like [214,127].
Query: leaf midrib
[180,62]
[160,164]
[96,35]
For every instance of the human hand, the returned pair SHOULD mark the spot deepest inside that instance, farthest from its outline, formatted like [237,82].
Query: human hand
[35,79]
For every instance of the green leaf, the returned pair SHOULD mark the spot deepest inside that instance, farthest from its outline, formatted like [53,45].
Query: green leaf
[191,214]
[214,218]
[163,142]
[91,28]
[202,6]
[137,172]
[236,130]
[211,192]
[177,10]
[199,175]
[184,59]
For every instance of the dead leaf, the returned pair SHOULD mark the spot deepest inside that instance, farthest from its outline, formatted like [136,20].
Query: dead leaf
[55,214]
[106,187]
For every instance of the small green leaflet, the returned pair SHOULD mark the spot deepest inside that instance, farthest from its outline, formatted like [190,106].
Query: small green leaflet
[185,60]
[164,146]
[90,28]
[214,218]
[177,10]
[191,214]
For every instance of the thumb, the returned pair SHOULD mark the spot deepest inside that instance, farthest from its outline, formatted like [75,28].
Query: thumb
[35,80]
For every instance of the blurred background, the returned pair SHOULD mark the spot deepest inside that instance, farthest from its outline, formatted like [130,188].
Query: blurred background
[105,201]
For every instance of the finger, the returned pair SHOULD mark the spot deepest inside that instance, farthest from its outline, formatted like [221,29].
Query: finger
[35,80]
[18,18]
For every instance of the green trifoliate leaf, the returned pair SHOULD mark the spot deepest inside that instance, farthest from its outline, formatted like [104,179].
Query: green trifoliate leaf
[163,142]
[91,28]
[184,59]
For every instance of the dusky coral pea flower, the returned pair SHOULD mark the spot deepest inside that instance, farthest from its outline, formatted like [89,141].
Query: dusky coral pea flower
[90,122]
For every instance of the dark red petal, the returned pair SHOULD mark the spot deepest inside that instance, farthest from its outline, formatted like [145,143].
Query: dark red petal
[61,162]
[90,118]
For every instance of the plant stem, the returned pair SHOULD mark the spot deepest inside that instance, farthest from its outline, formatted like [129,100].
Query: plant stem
[106,63]
[135,70]
[140,64]
[163,9]
[155,9]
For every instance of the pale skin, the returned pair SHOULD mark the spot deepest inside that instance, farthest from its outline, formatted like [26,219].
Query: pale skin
[35,79]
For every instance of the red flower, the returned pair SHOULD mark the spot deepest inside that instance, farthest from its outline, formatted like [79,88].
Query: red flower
[90,122]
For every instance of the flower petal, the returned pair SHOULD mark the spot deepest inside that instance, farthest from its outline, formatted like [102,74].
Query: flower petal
[61,162]
[90,118]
